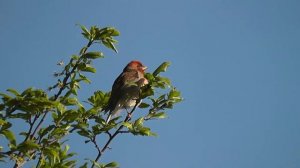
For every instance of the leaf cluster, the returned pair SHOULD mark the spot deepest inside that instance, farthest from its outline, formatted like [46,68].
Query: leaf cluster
[45,142]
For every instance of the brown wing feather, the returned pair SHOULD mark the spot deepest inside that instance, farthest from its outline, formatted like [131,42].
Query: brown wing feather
[119,84]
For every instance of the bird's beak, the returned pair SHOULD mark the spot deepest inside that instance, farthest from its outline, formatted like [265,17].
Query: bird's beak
[144,68]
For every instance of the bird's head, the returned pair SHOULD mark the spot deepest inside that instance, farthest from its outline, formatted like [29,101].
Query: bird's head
[135,65]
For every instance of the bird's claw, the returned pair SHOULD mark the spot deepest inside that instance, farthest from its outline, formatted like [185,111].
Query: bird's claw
[129,115]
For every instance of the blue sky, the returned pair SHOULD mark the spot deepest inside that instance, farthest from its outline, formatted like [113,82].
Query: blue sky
[237,64]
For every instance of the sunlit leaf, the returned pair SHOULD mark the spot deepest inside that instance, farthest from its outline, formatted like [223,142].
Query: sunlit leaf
[144,105]
[158,115]
[162,68]
[128,125]
[85,32]
[84,133]
[93,55]
[112,165]
[28,145]
[9,136]
[86,68]
[53,154]
[138,122]
[2,122]
[46,130]
[13,91]
[109,44]
[70,101]
[25,92]
[174,95]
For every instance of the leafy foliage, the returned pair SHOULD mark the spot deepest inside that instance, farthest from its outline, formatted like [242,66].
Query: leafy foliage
[46,143]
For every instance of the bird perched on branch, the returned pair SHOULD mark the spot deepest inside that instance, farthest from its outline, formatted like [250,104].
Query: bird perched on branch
[126,88]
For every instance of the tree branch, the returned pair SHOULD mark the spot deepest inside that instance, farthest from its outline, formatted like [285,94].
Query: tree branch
[112,136]
[56,96]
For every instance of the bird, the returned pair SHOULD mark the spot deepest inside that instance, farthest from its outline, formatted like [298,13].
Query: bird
[126,89]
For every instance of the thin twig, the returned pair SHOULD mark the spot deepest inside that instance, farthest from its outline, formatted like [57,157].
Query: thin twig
[95,143]
[112,136]
[56,96]
[108,133]
[31,126]
[124,132]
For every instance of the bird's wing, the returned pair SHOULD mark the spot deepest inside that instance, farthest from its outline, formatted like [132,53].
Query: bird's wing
[124,80]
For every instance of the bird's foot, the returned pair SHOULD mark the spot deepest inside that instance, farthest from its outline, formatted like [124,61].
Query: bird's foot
[129,115]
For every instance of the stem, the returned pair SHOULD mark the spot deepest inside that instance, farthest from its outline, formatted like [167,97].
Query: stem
[97,147]
[112,136]
[61,89]
[39,162]
[26,138]
[56,96]
[31,127]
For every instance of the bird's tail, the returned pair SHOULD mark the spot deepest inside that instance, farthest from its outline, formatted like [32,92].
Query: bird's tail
[108,118]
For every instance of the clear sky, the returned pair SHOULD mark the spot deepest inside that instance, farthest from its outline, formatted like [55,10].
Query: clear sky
[237,64]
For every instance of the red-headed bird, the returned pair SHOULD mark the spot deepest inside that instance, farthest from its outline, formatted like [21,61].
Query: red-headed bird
[126,88]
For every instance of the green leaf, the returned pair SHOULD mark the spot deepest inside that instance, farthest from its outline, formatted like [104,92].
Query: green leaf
[51,153]
[149,76]
[139,122]
[23,133]
[162,68]
[84,78]
[162,82]
[113,31]
[159,115]
[60,107]
[70,116]
[146,132]
[86,68]
[128,125]
[75,57]
[64,153]
[5,97]
[83,50]
[70,163]
[85,32]
[108,32]
[93,31]
[16,93]
[96,164]
[6,125]
[84,29]
[174,95]
[109,44]
[70,101]
[28,145]
[147,91]
[144,105]
[89,68]
[113,46]
[112,165]
[84,133]
[2,122]
[93,55]
[54,116]
[45,131]
[74,91]
[59,132]
[25,92]
[9,136]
